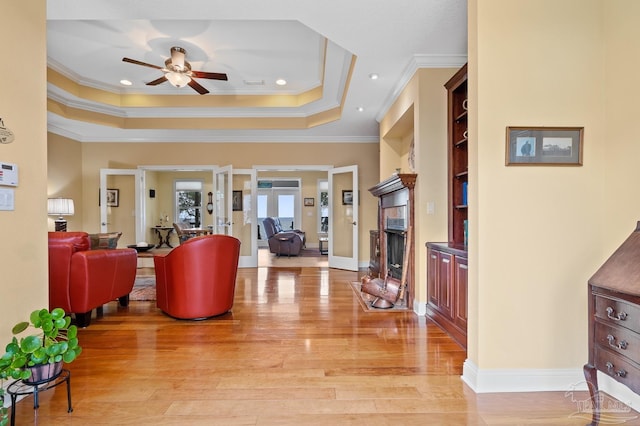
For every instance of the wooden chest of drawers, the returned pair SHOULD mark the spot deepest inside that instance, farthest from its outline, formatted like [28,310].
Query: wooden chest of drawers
[614,320]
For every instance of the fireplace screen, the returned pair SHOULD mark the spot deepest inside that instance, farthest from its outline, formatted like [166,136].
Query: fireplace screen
[395,253]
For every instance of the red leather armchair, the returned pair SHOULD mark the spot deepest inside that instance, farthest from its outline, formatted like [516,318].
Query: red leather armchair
[197,279]
[81,279]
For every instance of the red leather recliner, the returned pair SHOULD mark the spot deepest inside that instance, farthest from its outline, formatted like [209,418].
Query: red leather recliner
[197,279]
[81,279]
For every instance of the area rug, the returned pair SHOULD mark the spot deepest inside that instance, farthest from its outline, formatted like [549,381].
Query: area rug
[310,252]
[144,288]
[365,299]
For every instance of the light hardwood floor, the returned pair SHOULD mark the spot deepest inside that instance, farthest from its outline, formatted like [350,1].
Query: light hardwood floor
[297,349]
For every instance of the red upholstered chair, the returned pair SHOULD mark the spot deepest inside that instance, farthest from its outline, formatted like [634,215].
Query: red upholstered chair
[81,279]
[197,279]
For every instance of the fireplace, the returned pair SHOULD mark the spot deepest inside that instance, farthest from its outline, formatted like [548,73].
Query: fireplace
[395,219]
[395,253]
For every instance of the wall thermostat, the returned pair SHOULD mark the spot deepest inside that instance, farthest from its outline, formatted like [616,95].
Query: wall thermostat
[8,174]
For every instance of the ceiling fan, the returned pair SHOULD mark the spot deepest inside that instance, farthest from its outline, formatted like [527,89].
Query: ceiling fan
[178,72]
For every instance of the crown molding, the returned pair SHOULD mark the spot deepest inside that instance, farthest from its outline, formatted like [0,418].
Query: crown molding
[417,62]
[108,135]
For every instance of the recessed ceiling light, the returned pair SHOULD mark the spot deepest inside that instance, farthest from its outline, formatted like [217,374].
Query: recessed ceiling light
[373,76]
[126,82]
[360,109]
[281,82]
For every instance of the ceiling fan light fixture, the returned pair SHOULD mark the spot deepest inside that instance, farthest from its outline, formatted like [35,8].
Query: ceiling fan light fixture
[177,58]
[178,79]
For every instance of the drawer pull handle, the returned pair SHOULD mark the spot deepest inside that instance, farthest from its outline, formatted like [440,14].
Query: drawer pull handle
[610,369]
[619,317]
[612,342]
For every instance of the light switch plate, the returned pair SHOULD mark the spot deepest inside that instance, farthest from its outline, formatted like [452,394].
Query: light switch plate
[6,199]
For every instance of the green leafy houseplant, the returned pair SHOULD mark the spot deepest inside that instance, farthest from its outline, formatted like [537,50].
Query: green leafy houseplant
[56,340]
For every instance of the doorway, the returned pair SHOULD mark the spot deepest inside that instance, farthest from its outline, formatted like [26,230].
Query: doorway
[278,198]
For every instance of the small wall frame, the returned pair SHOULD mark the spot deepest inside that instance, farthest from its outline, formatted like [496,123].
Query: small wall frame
[236,202]
[347,197]
[113,197]
[544,146]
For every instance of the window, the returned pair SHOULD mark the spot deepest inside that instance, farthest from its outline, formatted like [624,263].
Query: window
[188,202]
[323,206]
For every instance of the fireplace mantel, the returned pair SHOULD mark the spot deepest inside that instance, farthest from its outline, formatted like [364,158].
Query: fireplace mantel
[394,183]
[395,215]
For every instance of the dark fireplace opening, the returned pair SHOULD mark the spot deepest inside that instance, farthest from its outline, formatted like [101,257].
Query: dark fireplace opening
[395,253]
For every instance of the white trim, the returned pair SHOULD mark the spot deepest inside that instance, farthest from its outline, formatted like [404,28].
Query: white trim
[417,62]
[292,168]
[618,391]
[114,135]
[419,308]
[522,380]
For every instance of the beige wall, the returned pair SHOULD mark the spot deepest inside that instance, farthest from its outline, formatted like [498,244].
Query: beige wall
[620,95]
[536,233]
[23,110]
[420,114]
[64,178]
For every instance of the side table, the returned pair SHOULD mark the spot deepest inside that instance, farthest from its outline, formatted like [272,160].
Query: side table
[323,245]
[159,230]
[20,388]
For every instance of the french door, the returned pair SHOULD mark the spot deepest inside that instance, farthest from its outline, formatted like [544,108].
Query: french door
[223,181]
[119,201]
[343,218]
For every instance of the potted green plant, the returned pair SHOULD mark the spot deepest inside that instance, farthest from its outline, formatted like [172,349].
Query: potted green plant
[4,412]
[39,356]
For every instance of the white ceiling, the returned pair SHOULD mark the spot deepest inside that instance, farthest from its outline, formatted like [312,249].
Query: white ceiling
[251,41]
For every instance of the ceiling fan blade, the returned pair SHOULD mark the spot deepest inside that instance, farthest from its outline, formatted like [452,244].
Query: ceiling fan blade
[197,87]
[209,75]
[157,81]
[144,64]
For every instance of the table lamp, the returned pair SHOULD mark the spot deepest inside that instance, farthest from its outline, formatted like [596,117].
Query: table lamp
[60,207]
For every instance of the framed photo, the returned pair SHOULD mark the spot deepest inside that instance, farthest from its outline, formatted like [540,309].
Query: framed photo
[113,197]
[544,146]
[309,202]
[347,197]
[236,201]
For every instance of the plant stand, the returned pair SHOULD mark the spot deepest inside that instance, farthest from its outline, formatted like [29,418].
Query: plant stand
[20,388]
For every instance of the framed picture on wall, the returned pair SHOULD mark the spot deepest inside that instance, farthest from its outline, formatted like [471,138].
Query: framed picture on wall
[347,197]
[237,201]
[544,146]
[309,202]
[113,197]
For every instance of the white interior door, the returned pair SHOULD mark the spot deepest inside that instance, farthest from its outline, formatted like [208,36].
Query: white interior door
[120,204]
[343,218]
[245,217]
[223,203]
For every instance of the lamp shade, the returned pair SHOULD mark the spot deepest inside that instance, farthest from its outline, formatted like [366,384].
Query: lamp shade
[60,206]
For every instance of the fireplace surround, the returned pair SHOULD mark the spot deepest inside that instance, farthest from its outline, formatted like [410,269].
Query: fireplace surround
[395,219]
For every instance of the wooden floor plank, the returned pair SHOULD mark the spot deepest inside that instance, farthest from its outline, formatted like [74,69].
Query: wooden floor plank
[297,349]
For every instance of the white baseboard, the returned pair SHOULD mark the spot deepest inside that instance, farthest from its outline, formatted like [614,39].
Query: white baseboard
[419,307]
[522,380]
[544,380]
[619,391]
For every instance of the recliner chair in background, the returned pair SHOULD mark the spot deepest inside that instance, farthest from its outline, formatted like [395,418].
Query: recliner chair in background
[282,242]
